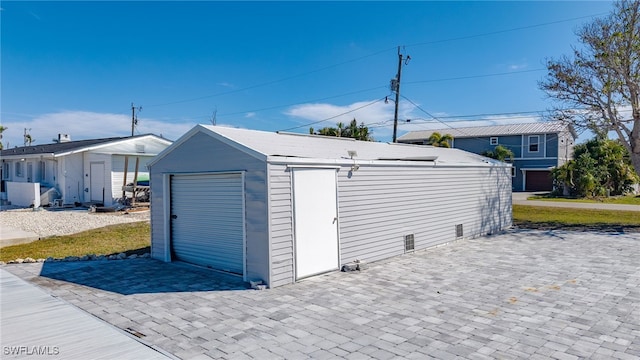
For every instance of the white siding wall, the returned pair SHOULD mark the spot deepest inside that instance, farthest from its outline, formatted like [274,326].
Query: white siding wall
[379,205]
[281,225]
[23,193]
[201,154]
[71,178]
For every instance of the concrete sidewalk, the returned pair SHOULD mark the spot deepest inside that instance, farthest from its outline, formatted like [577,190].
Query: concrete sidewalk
[520,198]
[12,236]
[35,323]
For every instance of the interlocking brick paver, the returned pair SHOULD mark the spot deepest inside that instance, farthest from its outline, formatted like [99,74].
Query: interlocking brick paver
[522,294]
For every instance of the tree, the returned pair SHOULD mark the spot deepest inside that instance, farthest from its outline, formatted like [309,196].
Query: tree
[598,88]
[438,140]
[2,129]
[601,167]
[355,131]
[499,153]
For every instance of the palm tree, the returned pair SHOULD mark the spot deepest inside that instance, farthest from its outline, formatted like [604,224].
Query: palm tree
[438,140]
[354,131]
[499,153]
[340,130]
[2,129]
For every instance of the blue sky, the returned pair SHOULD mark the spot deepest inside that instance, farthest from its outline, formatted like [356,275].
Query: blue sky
[76,67]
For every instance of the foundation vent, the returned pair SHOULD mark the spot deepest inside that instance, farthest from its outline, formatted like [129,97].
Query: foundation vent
[409,243]
[459,231]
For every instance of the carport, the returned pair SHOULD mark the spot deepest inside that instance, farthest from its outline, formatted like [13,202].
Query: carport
[279,207]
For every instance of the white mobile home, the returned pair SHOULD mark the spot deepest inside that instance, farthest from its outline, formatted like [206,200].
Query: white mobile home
[83,171]
[279,207]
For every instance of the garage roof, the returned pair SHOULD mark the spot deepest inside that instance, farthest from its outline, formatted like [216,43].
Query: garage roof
[271,145]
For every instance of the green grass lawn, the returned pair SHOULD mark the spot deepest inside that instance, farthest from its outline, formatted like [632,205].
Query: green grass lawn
[623,200]
[129,238]
[135,237]
[552,217]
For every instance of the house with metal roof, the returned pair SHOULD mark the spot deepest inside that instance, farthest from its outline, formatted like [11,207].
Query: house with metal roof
[537,148]
[280,207]
[69,172]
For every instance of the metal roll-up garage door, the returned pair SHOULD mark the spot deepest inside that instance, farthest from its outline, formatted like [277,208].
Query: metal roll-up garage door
[207,220]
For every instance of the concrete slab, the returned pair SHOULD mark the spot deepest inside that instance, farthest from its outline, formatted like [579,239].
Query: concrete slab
[35,324]
[12,236]
[521,198]
[521,294]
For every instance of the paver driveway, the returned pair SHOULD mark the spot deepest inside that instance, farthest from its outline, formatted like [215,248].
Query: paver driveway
[523,294]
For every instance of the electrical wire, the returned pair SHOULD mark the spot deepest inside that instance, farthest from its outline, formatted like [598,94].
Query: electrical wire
[472,76]
[371,55]
[304,102]
[446,123]
[278,80]
[335,116]
[502,31]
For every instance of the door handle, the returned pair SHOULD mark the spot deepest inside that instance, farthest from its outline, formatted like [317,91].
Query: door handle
[334,220]
[174,216]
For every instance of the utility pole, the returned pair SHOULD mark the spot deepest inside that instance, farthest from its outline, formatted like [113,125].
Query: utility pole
[134,117]
[395,86]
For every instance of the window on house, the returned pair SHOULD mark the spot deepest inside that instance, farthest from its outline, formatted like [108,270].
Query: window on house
[5,171]
[494,141]
[41,171]
[534,143]
[18,169]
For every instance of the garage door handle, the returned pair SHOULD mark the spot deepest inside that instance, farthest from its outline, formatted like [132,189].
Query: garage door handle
[174,216]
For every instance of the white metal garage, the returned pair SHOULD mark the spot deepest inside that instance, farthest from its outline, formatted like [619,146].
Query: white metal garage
[279,207]
[207,220]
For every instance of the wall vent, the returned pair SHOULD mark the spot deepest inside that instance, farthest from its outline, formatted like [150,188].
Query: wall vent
[140,148]
[409,243]
[459,231]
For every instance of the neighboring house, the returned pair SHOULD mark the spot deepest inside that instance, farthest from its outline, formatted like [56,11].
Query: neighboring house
[537,148]
[85,171]
[279,207]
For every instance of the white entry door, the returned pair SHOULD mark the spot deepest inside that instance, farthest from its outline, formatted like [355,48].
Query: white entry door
[96,186]
[316,221]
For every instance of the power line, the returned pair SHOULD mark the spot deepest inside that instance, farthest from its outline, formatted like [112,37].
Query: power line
[503,31]
[446,123]
[275,81]
[379,87]
[303,102]
[371,55]
[474,76]
[335,116]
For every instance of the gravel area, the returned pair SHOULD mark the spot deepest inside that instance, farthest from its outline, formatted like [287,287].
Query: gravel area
[64,222]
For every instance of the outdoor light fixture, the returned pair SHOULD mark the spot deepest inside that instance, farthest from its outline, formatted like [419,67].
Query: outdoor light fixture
[355,166]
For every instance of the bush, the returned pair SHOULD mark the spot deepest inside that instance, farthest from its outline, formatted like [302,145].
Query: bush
[601,168]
